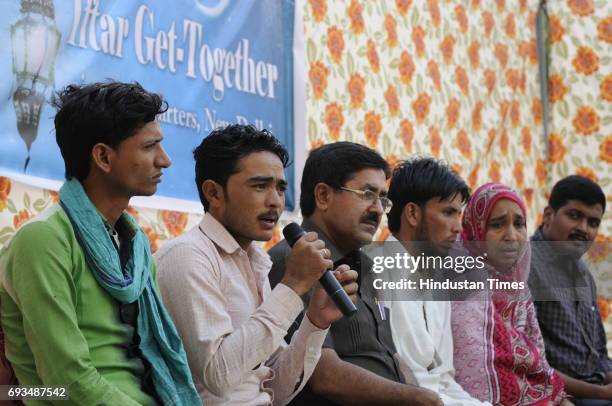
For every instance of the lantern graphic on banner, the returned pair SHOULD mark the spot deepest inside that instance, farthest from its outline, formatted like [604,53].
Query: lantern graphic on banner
[35,40]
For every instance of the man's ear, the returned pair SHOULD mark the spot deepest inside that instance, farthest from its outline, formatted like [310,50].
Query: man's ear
[102,156]
[323,194]
[214,193]
[412,214]
[548,215]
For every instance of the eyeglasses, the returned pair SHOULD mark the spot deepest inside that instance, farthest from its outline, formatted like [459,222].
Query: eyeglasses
[371,197]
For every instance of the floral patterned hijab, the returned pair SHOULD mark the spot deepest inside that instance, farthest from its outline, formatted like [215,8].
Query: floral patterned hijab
[479,207]
[474,223]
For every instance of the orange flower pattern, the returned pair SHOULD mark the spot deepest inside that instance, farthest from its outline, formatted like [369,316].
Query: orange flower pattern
[392,160]
[373,56]
[586,61]
[403,6]
[372,128]
[529,51]
[55,197]
[354,12]
[5,191]
[462,80]
[536,110]
[319,9]
[605,307]
[392,101]
[421,107]
[556,149]
[604,30]
[152,236]
[515,114]
[434,73]
[175,221]
[600,251]
[541,172]
[406,68]
[501,54]
[581,8]
[556,88]
[477,116]
[334,119]
[418,38]
[390,26]
[335,43]
[528,195]
[407,135]
[473,177]
[435,141]
[526,140]
[510,27]
[462,18]
[21,218]
[605,149]
[276,238]
[488,22]
[494,172]
[318,78]
[587,173]
[586,121]
[605,88]
[504,142]
[356,90]
[579,120]
[518,171]
[434,12]
[464,145]
[556,29]
[489,80]
[473,54]
[452,113]
[446,48]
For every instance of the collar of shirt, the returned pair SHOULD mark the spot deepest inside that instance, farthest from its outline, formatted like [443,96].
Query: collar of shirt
[227,245]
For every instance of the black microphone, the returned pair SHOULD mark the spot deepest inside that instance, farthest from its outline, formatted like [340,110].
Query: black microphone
[294,232]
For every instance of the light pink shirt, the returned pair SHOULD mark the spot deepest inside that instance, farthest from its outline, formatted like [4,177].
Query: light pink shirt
[231,323]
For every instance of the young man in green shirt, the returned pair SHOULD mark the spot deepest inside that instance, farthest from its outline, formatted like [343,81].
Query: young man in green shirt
[80,306]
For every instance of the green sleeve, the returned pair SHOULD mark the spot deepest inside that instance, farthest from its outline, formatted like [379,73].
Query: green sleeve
[40,281]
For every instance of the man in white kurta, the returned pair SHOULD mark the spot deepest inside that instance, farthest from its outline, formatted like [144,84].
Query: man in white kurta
[427,202]
[422,334]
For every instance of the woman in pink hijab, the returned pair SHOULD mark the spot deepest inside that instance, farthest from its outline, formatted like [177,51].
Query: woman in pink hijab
[498,347]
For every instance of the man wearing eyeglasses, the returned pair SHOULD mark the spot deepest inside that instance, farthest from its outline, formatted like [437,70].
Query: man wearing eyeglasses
[343,198]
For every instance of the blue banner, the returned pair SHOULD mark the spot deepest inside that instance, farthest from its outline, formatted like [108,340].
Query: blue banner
[215,61]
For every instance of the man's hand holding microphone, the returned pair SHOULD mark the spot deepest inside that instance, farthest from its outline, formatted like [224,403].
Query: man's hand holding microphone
[309,262]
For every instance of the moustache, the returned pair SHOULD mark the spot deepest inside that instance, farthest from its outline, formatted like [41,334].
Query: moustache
[270,216]
[370,218]
[577,236]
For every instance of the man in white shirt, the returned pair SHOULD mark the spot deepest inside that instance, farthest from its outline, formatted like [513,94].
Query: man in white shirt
[213,279]
[427,202]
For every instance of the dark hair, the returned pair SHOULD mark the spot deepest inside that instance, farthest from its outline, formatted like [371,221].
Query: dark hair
[218,154]
[579,188]
[418,180]
[107,112]
[335,164]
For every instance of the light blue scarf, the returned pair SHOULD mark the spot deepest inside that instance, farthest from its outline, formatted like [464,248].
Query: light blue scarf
[159,342]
